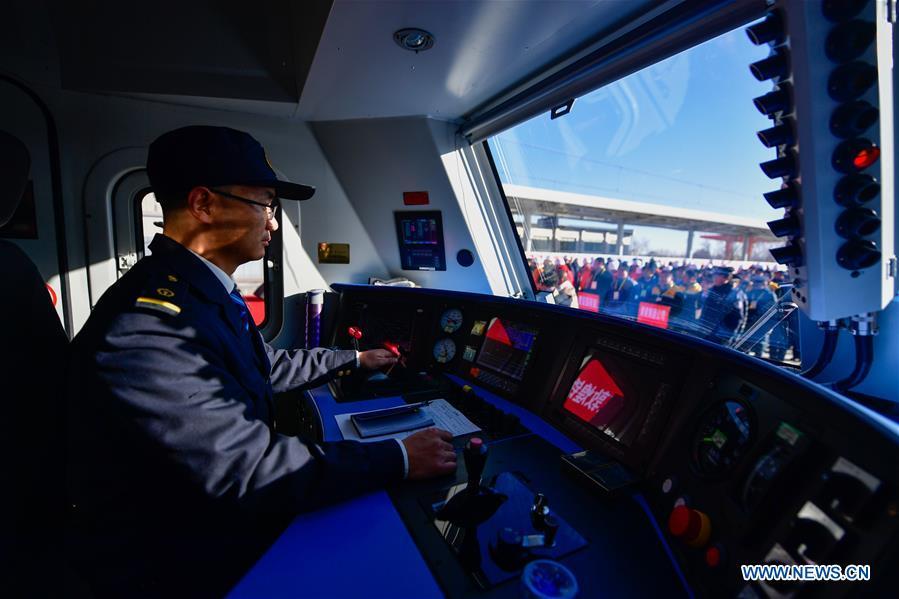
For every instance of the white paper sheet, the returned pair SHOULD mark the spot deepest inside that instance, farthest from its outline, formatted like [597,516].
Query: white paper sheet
[441,412]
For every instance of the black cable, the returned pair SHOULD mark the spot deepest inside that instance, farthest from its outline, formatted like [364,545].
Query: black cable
[864,356]
[831,334]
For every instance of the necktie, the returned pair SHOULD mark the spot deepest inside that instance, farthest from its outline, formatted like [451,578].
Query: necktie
[242,306]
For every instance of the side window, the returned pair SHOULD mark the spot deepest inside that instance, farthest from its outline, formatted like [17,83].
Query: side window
[250,278]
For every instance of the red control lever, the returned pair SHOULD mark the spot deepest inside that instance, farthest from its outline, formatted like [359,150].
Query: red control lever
[356,334]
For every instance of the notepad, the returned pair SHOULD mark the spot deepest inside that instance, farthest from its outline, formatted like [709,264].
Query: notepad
[391,420]
[444,415]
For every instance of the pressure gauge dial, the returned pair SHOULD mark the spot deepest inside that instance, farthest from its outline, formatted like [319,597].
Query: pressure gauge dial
[444,350]
[451,320]
[723,437]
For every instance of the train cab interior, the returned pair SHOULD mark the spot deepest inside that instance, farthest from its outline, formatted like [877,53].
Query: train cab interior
[535,206]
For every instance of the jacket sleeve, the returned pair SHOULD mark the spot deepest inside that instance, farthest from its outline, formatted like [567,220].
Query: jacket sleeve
[172,390]
[306,367]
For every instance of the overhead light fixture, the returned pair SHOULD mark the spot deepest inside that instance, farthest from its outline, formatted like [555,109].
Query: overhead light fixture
[414,39]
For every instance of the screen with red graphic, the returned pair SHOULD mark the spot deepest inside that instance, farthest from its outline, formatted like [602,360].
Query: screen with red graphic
[608,393]
[507,348]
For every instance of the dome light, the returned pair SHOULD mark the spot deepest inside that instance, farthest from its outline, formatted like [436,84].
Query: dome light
[414,39]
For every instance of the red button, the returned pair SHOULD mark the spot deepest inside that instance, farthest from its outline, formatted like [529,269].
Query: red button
[713,556]
[691,526]
[679,521]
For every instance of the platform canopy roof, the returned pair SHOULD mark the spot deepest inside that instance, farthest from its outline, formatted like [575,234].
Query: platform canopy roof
[535,200]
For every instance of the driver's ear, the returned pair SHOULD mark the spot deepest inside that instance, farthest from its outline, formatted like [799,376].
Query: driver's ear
[200,204]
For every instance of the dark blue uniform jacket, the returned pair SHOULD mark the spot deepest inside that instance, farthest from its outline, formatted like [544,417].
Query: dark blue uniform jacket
[176,475]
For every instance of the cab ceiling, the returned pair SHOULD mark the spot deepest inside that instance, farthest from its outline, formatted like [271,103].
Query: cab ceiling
[328,60]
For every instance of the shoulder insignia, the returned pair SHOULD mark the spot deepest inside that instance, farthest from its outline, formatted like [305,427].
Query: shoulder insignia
[160,294]
[159,305]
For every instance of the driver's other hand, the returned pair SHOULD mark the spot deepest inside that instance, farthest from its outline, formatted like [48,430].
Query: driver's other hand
[375,359]
[430,453]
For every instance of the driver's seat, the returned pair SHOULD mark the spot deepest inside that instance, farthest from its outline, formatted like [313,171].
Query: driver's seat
[32,374]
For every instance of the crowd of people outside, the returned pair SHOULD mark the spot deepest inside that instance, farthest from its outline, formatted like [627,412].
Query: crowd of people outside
[716,302]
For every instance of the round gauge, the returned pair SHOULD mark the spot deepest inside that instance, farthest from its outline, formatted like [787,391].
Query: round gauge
[724,434]
[444,350]
[451,320]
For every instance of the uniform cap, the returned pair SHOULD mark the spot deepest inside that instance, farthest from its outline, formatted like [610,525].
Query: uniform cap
[723,271]
[202,155]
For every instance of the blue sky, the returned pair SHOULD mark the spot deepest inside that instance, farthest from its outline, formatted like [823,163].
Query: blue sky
[680,133]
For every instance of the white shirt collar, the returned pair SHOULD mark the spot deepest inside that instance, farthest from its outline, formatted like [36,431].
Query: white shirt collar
[225,279]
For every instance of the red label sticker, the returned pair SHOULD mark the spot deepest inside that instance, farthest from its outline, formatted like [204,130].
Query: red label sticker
[594,396]
[653,314]
[415,198]
[588,301]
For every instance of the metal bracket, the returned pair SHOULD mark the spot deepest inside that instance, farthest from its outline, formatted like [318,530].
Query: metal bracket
[126,261]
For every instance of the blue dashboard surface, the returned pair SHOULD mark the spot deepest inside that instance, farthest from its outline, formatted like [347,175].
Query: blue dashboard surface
[358,548]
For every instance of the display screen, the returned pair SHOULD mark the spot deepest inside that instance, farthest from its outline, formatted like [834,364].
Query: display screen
[420,239]
[609,393]
[507,348]
[420,231]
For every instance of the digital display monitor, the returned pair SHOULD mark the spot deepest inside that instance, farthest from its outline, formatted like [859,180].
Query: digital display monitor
[420,238]
[507,348]
[609,393]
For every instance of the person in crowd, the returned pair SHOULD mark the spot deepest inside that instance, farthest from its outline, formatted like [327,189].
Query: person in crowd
[723,312]
[555,282]
[647,288]
[598,280]
[761,299]
[617,299]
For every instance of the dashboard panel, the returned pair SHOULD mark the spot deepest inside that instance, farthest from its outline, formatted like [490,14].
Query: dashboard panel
[738,461]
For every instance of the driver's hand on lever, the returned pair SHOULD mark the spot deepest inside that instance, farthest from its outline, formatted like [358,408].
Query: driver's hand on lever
[430,453]
[375,359]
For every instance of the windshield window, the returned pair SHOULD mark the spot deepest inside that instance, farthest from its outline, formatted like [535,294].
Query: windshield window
[645,201]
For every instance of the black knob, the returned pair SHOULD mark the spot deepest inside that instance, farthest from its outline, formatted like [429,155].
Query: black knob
[849,40]
[550,528]
[786,197]
[857,254]
[508,551]
[475,456]
[790,255]
[779,100]
[775,66]
[785,166]
[769,30]
[855,155]
[539,511]
[785,227]
[857,222]
[851,80]
[836,11]
[855,190]
[853,118]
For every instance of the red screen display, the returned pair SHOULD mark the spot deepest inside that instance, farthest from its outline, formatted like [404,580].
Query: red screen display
[604,396]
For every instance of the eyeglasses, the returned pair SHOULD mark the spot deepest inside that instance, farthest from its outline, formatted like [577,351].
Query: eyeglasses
[271,210]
